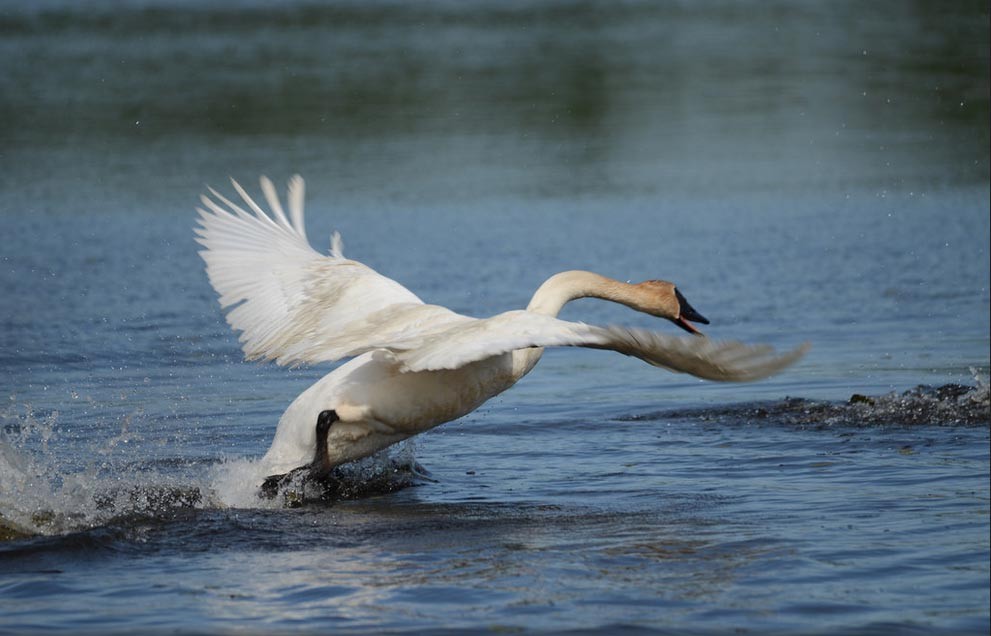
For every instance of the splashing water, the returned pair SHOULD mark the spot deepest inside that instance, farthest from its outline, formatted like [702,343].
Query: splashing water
[44,493]
[946,405]
[234,483]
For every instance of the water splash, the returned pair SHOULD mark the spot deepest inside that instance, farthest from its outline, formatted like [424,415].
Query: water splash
[945,405]
[236,481]
[42,492]
[48,493]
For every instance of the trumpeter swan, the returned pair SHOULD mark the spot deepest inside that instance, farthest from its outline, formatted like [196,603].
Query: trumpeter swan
[413,365]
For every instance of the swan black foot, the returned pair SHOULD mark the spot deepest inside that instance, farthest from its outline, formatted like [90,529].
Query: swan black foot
[293,483]
[318,481]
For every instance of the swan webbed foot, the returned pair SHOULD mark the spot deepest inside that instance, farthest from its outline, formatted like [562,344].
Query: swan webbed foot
[293,484]
[321,481]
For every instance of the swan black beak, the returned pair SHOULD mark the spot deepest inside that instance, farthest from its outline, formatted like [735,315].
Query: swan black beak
[688,313]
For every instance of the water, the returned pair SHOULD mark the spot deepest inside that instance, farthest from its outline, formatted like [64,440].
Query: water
[804,172]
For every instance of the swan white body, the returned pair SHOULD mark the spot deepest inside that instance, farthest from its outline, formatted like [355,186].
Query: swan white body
[414,365]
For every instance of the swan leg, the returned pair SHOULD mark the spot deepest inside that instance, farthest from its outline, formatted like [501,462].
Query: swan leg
[320,467]
[317,470]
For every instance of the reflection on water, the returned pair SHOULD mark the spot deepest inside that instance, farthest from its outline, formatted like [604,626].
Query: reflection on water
[783,528]
[450,564]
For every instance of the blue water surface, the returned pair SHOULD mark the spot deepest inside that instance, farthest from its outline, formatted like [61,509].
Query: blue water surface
[805,172]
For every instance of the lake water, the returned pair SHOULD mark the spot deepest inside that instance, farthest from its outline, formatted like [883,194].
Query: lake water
[803,171]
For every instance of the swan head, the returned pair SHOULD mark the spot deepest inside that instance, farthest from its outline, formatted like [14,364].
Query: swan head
[662,299]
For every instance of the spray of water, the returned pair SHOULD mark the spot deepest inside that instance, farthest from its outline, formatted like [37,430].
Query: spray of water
[43,491]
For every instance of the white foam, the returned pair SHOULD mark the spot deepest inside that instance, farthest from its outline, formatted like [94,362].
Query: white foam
[44,492]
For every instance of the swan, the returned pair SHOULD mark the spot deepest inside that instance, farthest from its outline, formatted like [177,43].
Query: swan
[412,365]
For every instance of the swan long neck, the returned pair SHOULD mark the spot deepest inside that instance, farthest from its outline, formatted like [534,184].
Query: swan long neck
[560,289]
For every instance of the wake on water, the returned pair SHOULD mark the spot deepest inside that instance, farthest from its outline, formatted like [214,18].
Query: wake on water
[945,405]
[43,493]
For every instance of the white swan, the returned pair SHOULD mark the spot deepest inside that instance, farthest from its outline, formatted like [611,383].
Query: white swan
[413,365]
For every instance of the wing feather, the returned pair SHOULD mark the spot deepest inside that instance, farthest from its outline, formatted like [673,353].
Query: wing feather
[272,197]
[297,194]
[290,303]
[295,306]
[464,342]
[721,361]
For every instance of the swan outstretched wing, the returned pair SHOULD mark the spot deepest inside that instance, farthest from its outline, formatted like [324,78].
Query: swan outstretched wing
[291,303]
[721,361]
[295,305]
[465,342]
